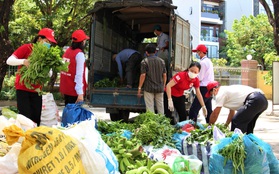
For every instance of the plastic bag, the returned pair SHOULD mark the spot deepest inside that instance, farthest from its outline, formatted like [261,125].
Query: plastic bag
[194,164]
[272,160]
[45,150]
[50,112]
[178,138]
[8,163]
[75,113]
[182,123]
[202,152]
[160,154]
[96,155]
[255,162]
[18,120]
[4,122]
[181,166]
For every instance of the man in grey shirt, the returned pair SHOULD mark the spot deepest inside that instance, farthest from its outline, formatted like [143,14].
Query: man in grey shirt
[162,43]
[153,77]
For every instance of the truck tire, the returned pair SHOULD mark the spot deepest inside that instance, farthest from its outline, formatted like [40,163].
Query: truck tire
[121,115]
[124,115]
[114,117]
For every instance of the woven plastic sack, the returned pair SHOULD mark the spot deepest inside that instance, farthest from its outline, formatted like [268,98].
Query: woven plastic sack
[45,150]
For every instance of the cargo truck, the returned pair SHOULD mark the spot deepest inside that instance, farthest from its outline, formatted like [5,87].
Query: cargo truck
[117,25]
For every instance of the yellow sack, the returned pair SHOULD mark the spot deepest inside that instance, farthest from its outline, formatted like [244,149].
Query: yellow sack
[45,150]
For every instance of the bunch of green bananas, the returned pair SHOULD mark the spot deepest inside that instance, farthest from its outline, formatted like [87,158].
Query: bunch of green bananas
[128,152]
[157,168]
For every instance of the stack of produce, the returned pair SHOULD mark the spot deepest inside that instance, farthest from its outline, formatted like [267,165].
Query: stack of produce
[126,140]
[42,60]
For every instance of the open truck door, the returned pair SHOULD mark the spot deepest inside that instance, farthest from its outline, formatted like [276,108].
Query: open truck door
[182,44]
[117,25]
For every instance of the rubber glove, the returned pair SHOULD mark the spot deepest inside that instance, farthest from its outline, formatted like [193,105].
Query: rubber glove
[170,103]
[204,110]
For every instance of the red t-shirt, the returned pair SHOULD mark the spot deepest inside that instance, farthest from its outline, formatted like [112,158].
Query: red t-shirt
[23,52]
[183,82]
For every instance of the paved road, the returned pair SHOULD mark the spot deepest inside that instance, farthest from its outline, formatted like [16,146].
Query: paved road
[267,127]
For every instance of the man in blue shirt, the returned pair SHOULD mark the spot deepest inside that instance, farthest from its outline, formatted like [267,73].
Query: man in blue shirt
[131,59]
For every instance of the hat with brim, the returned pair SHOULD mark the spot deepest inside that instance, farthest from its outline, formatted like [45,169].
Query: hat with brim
[210,86]
[48,33]
[201,48]
[79,36]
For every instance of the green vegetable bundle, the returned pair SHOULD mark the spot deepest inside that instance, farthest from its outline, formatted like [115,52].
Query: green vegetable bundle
[206,135]
[106,82]
[235,151]
[42,60]
[154,129]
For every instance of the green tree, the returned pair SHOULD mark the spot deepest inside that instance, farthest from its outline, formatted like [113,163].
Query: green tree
[6,46]
[63,16]
[273,19]
[28,17]
[250,35]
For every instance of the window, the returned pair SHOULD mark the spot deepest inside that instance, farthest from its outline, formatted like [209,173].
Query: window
[212,51]
[209,33]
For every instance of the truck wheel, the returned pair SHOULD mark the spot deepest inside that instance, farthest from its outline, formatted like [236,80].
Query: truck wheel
[124,115]
[114,117]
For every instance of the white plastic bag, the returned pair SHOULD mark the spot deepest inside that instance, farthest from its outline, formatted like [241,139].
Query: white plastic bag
[50,112]
[96,155]
[8,163]
[23,122]
[160,154]
[20,120]
[4,122]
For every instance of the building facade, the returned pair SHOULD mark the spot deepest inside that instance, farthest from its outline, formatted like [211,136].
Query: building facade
[210,18]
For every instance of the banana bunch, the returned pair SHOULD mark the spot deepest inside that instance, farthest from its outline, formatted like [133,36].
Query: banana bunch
[4,148]
[126,152]
[157,168]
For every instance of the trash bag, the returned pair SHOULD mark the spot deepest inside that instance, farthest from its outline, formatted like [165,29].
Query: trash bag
[75,113]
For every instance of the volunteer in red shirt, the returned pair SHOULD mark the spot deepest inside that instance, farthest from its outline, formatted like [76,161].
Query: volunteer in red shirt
[73,83]
[175,98]
[29,103]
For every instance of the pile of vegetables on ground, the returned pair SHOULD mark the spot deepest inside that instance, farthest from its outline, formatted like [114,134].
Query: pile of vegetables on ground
[42,60]
[126,140]
[229,152]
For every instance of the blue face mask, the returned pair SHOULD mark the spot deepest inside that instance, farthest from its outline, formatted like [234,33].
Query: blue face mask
[47,44]
[197,56]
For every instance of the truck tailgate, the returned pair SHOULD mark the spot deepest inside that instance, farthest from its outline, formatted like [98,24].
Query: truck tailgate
[119,98]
